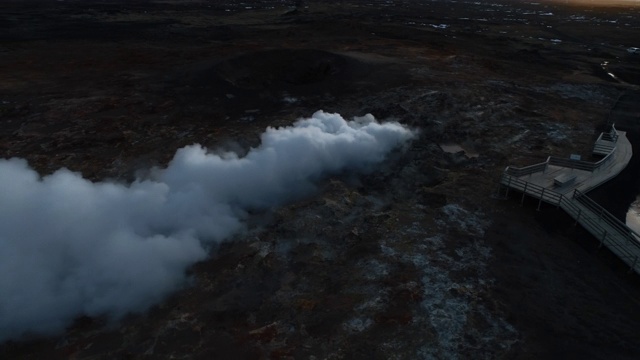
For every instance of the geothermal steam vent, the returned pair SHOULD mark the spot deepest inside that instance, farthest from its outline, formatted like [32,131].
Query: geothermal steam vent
[71,247]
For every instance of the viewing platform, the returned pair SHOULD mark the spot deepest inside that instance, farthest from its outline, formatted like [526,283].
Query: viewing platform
[564,182]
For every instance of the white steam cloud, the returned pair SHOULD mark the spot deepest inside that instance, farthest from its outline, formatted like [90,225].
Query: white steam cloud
[71,247]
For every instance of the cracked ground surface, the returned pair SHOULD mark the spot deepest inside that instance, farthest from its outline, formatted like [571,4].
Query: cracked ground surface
[415,260]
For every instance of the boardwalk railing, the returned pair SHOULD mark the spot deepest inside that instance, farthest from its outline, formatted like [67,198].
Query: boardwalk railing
[609,149]
[606,217]
[609,230]
[511,170]
[558,161]
[606,142]
[612,135]
[606,228]
[534,190]
[580,164]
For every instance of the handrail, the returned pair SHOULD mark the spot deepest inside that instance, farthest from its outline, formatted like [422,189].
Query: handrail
[538,191]
[603,214]
[612,135]
[611,240]
[599,137]
[590,215]
[511,170]
[564,162]
[606,228]
[606,216]
[580,164]
[573,164]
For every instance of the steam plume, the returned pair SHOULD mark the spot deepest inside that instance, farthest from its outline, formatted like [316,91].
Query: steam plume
[71,247]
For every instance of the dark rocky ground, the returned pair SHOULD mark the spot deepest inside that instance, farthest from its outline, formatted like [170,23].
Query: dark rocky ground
[417,260]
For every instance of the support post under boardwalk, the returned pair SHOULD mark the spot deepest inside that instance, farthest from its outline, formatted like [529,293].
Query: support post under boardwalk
[604,236]
[541,196]
[600,215]
[578,217]
[634,264]
[524,192]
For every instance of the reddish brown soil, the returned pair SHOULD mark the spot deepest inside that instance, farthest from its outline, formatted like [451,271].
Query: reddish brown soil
[418,260]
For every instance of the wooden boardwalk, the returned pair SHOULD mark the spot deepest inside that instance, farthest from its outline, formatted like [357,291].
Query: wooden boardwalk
[564,182]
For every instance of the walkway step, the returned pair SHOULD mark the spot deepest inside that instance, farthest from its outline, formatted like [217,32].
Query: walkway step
[603,148]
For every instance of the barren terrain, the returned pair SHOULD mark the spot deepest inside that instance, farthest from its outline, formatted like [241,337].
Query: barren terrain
[418,259]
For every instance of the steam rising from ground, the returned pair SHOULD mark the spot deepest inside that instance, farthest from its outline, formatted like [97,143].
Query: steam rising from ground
[69,246]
